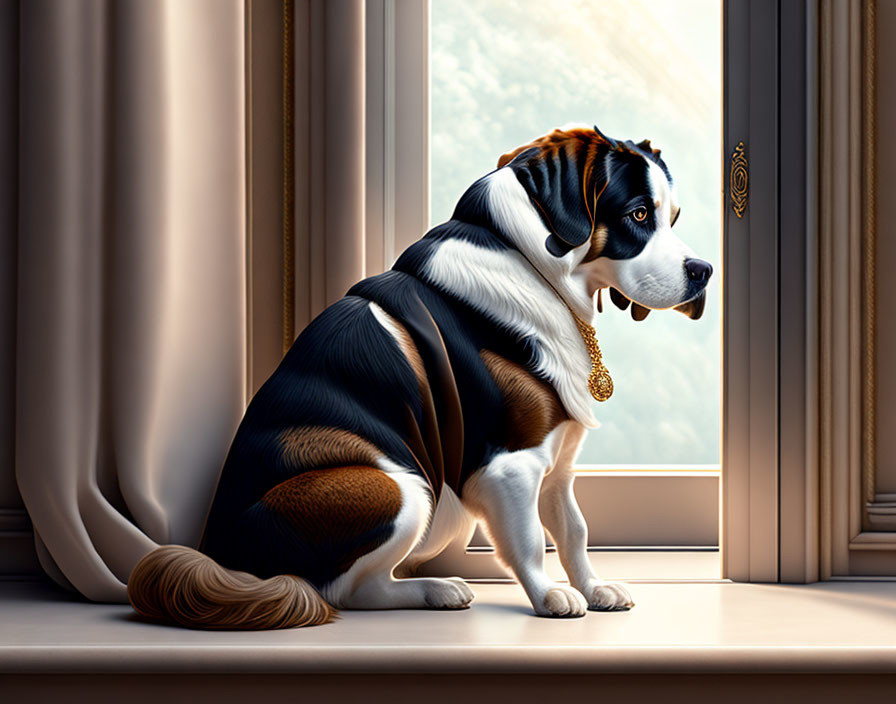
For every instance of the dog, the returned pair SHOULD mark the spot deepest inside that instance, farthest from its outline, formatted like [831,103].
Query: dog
[449,389]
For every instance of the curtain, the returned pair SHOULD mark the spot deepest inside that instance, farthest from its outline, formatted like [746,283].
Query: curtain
[131,293]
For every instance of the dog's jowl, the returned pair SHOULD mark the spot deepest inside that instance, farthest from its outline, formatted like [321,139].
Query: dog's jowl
[455,387]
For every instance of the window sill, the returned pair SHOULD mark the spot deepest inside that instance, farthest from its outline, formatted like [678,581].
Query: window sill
[675,628]
[658,563]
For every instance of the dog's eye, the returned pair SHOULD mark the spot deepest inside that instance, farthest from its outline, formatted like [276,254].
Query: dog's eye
[639,214]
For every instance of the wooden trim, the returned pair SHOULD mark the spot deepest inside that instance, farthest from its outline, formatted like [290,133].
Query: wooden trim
[750,308]
[840,220]
[250,205]
[14,521]
[869,192]
[264,189]
[868,540]
[397,171]
[649,469]
[302,150]
[798,285]
[289,186]
[855,516]
[880,513]
[19,558]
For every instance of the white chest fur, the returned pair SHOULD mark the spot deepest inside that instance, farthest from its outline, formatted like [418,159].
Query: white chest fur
[504,287]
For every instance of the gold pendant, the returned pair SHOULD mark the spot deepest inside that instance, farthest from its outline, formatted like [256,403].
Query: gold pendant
[600,384]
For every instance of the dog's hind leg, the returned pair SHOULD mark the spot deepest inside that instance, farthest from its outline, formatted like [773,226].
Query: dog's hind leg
[451,525]
[369,583]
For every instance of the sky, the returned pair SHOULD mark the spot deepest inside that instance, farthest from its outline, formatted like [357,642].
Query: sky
[506,71]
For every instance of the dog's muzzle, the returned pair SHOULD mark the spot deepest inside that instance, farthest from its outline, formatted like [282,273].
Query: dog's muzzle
[698,272]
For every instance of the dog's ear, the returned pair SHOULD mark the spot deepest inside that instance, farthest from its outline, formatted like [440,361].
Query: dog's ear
[644,146]
[608,140]
[505,159]
[564,185]
[521,153]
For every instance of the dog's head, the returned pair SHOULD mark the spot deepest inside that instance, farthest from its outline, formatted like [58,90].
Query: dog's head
[609,207]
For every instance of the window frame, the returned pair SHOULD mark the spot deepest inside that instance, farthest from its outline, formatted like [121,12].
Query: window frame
[397,128]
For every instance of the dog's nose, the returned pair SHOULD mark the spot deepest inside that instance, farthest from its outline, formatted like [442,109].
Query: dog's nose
[698,270]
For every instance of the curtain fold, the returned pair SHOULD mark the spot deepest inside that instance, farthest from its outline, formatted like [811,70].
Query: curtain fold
[131,318]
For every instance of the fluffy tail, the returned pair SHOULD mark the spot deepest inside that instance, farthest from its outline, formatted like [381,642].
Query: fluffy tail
[176,584]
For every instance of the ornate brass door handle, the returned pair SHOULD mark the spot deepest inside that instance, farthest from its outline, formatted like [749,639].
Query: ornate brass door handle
[739,179]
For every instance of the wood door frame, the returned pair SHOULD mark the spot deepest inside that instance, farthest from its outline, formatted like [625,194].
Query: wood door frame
[750,318]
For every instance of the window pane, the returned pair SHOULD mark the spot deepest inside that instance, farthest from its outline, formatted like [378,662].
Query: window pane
[504,72]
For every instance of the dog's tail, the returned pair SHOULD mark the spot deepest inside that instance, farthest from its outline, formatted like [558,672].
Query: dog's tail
[179,585]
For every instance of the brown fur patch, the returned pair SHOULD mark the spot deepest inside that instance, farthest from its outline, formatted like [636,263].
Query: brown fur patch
[532,406]
[316,446]
[598,241]
[577,143]
[408,349]
[341,506]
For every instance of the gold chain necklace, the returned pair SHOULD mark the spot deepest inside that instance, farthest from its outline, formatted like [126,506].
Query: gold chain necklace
[600,384]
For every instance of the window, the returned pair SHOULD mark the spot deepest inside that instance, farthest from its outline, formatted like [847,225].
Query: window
[503,73]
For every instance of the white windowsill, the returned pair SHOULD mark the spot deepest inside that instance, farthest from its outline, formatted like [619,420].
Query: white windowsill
[675,627]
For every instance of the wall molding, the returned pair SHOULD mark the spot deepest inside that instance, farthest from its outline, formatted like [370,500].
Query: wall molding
[879,508]
[14,522]
[868,540]
[17,555]
[857,518]
[880,514]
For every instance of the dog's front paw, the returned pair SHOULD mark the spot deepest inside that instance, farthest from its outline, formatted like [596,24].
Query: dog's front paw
[561,601]
[608,596]
[448,593]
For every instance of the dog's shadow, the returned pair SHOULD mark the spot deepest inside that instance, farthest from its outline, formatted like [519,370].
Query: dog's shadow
[131,617]
[523,609]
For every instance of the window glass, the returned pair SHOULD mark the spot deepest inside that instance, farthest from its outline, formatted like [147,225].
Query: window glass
[506,71]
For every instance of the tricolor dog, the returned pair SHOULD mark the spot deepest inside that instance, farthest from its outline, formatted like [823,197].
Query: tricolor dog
[450,389]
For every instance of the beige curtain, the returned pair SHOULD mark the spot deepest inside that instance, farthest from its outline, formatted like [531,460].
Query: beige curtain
[130,358]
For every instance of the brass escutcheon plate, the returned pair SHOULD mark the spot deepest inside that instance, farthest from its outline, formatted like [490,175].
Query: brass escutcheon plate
[740,173]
